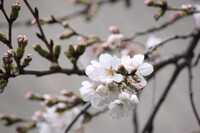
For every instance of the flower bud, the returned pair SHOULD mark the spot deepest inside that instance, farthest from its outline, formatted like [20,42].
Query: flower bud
[32,96]
[41,51]
[65,24]
[114,30]
[3,84]
[57,50]
[73,60]
[3,38]
[27,60]
[80,49]
[9,120]
[65,35]
[137,87]
[137,78]
[26,128]
[122,70]
[67,93]
[159,14]
[15,11]
[177,15]
[22,41]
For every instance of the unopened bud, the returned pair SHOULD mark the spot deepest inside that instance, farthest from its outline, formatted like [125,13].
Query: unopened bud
[26,128]
[122,70]
[177,15]
[15,11]
[9,120]
[22,41]
[65,24]
[41,51]
[114,30]
[137,87]
[80,49]
[67,93]
[32,96]
[3,38]
[137,78]
[65,35]
[76,98]
[27,60]
[159,14]
[57,50]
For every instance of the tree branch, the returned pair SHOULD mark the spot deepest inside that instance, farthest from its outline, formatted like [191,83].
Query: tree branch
[83,110]
[191,93]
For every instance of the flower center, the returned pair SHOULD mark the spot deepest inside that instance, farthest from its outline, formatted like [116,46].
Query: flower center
[109,71]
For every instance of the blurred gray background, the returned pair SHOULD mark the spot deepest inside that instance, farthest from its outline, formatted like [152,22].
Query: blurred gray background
[175,116]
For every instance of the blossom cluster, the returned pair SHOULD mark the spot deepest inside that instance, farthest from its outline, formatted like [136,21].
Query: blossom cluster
[51,121]
[115,83]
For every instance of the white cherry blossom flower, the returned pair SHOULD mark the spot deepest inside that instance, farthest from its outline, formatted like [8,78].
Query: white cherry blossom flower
[123,106]
[104,70]
[98,94]
[113,41]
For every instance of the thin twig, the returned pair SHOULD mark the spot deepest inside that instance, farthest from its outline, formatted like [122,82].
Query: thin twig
[83,110]
[174,37]
[44,39]
[191,93]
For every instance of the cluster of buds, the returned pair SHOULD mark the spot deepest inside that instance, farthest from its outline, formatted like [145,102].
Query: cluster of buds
[8,61]
[115,83]
[15,11]
[161,4]
[9,119]
[22,42]
[73,54]
[3,38]
[68,99]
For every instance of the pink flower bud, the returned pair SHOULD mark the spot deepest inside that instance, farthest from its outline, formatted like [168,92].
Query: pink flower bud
[113,29]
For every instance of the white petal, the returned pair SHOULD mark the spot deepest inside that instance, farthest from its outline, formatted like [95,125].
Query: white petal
[143,82]
[115,62]
[117,77]
[137,60]
[145,69]
[105,60]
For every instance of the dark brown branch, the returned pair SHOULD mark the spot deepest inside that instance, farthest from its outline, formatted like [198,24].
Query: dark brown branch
[191,93]
[83,110]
